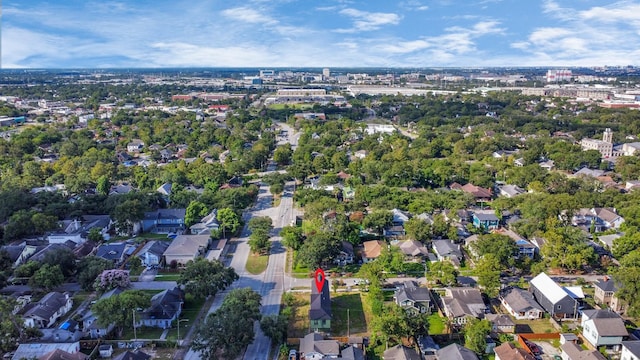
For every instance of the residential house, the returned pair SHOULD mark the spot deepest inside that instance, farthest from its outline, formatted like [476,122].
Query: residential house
[164,221]
[508,351]
[428,347]
[114,252]
[41,251]
[413,298]
[525,248]
[67,332]
[136,145]
[59,354]
[446,250]
[603,328]
[133,355]
[553,298]
[105,350]
[510,190]
[460,304]
[186,247]
[605,294]
[401,352]
[352,353]
[412,249]
[314,347]
[151,253]
[19,253]
[485,219]
[47,311]
[520,304]
[479,193]
[372,250]
[346,254]
[165,190]
[320,309]
[207,225]
[234,182]
[630,350]
[456,352]
[78,230]
[600,219]
[501,323]
[397,224]
[165,308]
[38,350]
[90,325]
[573,351]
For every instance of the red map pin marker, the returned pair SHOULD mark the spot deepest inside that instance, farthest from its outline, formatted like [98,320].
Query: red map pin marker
[319,277]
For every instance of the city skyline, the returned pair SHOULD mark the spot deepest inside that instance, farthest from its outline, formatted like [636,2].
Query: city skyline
[335,33]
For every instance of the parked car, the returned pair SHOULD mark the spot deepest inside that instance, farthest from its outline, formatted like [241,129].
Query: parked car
[293,354]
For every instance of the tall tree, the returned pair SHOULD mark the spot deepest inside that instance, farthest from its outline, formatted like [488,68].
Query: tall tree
[203,278]
[292,237]
[488,272]
[229,221]
[228,330]
[119,309]
[12,326]
[47,277]
[195,211]
[475,335]
[443,272]
[89,268]
[128,213]
[320,248]
[63,257]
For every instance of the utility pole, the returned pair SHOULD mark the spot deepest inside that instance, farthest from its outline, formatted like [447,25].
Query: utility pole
[135,336]
[348,323]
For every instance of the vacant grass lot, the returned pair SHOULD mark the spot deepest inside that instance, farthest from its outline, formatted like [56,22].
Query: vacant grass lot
[540,326]
[436,324]
[348,315]
[299,322]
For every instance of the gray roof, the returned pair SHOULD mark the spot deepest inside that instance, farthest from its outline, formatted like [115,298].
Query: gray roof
[519,300]
[607,323]
[132,355]
[464,302]
[400,352]
[352,353]
[632,346]
[155,247]
[47,306]
[320,302]
[165,214]
[500,319]
[456,352]
[111,251]
[446,248]
[165,304]
[574,351]
[484,216]
[606,284]
[413,293]
[314,342]
[13,251]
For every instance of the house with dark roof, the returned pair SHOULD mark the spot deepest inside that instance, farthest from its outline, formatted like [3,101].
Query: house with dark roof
[520,304]
[486,220]
[20,253]
[460,304]
[345,255]
[151,253]
[320,310]
[90,325]
[605,294]
[77,230]
[166,307]
[630,350]
[207,225]
[446,250]
[315,347]
[133,355]
[413,298]
[47,311]
[456,352]
[412,249]
[352,353]
[501,323]
[164,221]
[401,352]
[603,328]
[114,252]
[553,298]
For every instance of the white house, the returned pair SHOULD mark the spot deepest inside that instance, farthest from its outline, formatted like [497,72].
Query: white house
[630,350]
[314,347]
[151,253]
[603,328]
[45,312]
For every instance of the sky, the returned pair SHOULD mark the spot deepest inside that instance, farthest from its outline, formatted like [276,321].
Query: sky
[311,33]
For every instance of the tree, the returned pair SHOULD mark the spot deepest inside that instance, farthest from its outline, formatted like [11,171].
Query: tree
[195,211]
[228,220]
[259,239]
[89,268]
[27,269]
[203,278]
[228,330]
[103,185]
[47,277]
[319,248]
[63,257]
[95,235]
[119,309]
[488,272]
[443,272]
[391,326]
[128,213]
[12,326]
[391,259]
[111,279]
[475,334]
[292,237]
[282,154]
[378,220]
[275,327]
[502,247]
[276,189]
[261,223]
[418,229]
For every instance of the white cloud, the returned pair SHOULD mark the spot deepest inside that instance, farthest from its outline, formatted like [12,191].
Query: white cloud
[248,15]
[368,21]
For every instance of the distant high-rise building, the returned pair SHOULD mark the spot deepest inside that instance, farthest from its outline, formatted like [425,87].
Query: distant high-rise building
[559,75]
[326,73]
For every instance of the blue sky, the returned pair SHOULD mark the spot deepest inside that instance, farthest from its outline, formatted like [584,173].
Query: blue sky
[310,33]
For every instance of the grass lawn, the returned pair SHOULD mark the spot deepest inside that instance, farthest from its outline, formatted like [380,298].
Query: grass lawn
[256,264]
[142,332]
[540,326]
[300,271]
[436,324]
[351,303]
[167,277]
[190,311]
[299,323]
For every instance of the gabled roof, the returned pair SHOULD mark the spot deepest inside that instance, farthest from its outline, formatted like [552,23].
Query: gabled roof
[413,293]
[508,351]
[464,302]
[165,304]
[112,251]
[632,346]
[412,248]
[500,319]
[456,352]
[607,323]
[59,354]
[165,214]
[314,342]
[154,247]
[165,189]
[320,302]
[606,284]
[574,351]
[352,353]
[400,352]
[552,291]
[373,248]
[519,300]
[133,355]
[47,306]
[187,245]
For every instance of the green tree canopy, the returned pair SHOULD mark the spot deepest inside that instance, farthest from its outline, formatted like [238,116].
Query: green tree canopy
[203,278]
[119,309]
